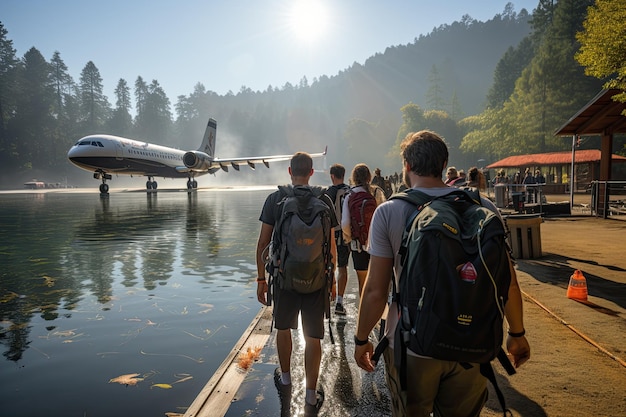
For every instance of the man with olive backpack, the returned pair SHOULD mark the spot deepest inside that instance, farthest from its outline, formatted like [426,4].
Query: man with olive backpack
[296,247]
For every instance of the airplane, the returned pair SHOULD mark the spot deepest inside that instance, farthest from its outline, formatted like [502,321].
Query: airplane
[106,155]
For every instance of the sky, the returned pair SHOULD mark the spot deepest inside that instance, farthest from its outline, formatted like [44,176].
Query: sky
[226,44]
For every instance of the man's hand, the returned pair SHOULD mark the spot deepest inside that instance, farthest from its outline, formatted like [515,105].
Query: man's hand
[518,349]
[363,355]
[261,292]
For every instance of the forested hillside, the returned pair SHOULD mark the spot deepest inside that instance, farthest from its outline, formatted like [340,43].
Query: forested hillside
[460,80]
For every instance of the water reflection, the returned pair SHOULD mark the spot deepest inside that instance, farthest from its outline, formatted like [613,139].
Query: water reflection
[131,273]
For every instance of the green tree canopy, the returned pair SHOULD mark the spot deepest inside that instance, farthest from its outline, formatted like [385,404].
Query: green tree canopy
[603,44]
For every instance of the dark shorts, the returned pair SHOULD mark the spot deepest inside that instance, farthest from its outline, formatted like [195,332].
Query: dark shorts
[289,305]
[360,260]
[343,253]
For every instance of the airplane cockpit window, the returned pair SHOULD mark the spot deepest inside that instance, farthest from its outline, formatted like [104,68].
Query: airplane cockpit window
[97,143]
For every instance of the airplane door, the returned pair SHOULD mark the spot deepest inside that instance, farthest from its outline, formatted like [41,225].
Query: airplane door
[119,151]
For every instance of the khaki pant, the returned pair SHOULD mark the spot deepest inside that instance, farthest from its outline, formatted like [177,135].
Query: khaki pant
[444,388]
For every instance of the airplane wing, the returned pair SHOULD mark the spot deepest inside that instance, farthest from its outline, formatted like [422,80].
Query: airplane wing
[196,161]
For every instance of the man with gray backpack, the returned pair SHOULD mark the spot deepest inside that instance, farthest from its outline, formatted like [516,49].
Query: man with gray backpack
[454,286]
[296,247]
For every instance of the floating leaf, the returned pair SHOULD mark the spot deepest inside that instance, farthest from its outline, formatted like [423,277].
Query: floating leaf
[162,386]
[128,379]
[64,333]
[207,307]
[48,281]
[182,379]
[8,297]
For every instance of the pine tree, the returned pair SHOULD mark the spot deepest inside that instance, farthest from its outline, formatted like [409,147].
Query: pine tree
[508,70]
[33,118]
[121,122]
[8,89]
[94,104]
[61,81]
[434,95]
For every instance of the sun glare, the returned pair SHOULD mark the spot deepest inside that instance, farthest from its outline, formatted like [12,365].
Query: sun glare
[308,20]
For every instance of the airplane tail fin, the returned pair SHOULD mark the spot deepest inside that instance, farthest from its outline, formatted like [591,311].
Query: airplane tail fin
[208,141]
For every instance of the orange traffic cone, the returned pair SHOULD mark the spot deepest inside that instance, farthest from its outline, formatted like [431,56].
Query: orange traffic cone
[577,288]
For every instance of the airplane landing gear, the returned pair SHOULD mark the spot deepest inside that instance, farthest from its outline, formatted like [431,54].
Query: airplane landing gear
[192,184]
[151,184]
[104,187]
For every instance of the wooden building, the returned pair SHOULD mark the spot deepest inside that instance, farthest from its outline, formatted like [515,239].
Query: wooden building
[556,167]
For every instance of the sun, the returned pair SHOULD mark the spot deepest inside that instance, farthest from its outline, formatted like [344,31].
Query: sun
[308,20]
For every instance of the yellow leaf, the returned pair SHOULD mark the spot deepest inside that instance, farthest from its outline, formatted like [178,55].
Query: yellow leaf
[162,386]
[128,379]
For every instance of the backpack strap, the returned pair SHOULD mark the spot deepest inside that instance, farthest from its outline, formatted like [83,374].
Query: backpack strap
[328,265]
[486,370]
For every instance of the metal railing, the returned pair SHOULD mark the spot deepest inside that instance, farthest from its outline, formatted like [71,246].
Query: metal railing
[608,198]
[517,196]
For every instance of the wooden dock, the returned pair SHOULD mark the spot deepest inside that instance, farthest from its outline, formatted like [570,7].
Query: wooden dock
[217,395]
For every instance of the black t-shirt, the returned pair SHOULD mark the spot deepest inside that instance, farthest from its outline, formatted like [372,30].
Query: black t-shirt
[272,210]
[332,191]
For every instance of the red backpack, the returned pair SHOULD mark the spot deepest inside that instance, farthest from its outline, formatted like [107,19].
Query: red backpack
[361,205]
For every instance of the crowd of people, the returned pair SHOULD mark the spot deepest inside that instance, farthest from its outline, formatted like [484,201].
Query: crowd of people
[434,386]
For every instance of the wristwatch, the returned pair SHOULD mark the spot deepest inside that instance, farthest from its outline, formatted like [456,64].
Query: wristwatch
[520,334]
[359,342]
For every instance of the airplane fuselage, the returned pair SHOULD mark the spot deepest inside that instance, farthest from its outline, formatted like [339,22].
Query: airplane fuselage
[119,155]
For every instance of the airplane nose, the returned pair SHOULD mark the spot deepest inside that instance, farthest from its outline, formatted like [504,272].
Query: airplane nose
[72,152]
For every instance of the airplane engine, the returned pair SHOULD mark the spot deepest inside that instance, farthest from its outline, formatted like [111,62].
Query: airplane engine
[197,160]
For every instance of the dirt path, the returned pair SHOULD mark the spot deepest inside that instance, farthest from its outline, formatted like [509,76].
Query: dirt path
[569,375]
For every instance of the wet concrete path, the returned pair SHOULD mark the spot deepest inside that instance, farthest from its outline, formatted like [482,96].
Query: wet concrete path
[348,390]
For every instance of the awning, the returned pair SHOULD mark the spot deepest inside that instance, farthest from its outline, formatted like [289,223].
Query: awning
[601,116]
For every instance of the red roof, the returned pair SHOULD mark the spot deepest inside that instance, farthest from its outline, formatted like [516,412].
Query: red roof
[552,158]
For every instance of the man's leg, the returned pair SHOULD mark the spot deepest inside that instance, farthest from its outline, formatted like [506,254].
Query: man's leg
[312,361]
[398,397]
[283,346]
[462,392]
[342,280]
[313,309]
[286,310]
[361,275]
[343,253]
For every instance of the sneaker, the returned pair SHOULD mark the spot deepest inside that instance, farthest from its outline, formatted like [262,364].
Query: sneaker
[284,391]
[311,410]
[339,310]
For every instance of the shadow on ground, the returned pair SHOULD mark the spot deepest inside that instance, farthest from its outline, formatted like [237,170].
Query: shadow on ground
[556,270]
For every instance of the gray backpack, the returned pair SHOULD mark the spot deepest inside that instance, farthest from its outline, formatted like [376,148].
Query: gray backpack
[300,247]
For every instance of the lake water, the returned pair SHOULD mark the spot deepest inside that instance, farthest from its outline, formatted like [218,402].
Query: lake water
[92,288]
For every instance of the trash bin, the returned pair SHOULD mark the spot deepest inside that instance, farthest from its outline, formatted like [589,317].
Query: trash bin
[518,201]
[525,235]
[501,198]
